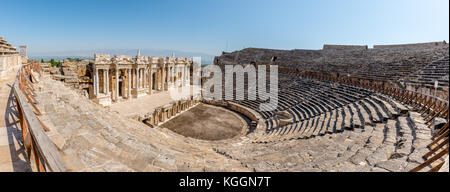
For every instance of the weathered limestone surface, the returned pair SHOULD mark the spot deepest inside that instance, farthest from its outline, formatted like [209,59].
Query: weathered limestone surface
[365,132]
[93,138]
[360,150]
[10,60]
[74,74]
[428,75]
[445,167]
[12,151]
[123,77]
[390,63]
[346,47]
[317,126]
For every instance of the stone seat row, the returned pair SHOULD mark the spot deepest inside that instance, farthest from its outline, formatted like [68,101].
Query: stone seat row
[95,138]
[392,145]
[367,111]
[303,110]
[436,71]
[287,97]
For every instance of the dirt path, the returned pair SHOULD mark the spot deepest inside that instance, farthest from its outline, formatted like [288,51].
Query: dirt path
[12,153]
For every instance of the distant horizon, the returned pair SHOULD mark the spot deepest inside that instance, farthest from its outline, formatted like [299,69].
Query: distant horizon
[205,60]
[211,27]
[62,58]
[105,51]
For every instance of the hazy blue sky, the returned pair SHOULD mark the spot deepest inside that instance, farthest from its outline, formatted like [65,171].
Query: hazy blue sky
[208,26]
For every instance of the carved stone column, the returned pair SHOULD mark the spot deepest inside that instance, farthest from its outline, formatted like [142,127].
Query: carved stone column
[184,75]
[144,78]
[96,87]
[129,83]
[104,81]
[151,80]
[107,81]
[94,82]
[164,78]
[138,79]
[117,84]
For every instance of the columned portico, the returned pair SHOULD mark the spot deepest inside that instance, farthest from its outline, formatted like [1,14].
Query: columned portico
[123,77]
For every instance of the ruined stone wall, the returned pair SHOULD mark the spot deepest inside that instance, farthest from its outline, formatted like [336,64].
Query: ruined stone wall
[69,70]
[164,113]
[45,67]
[345,47]
[418,45]
[74,74]
[9,62]
[9,58]
[388,64]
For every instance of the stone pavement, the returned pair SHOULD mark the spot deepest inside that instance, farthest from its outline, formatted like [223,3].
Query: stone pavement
[143,105]
[12,154]
[93,138]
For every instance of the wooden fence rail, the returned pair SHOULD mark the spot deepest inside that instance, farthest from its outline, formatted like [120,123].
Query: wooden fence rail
[36,141]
